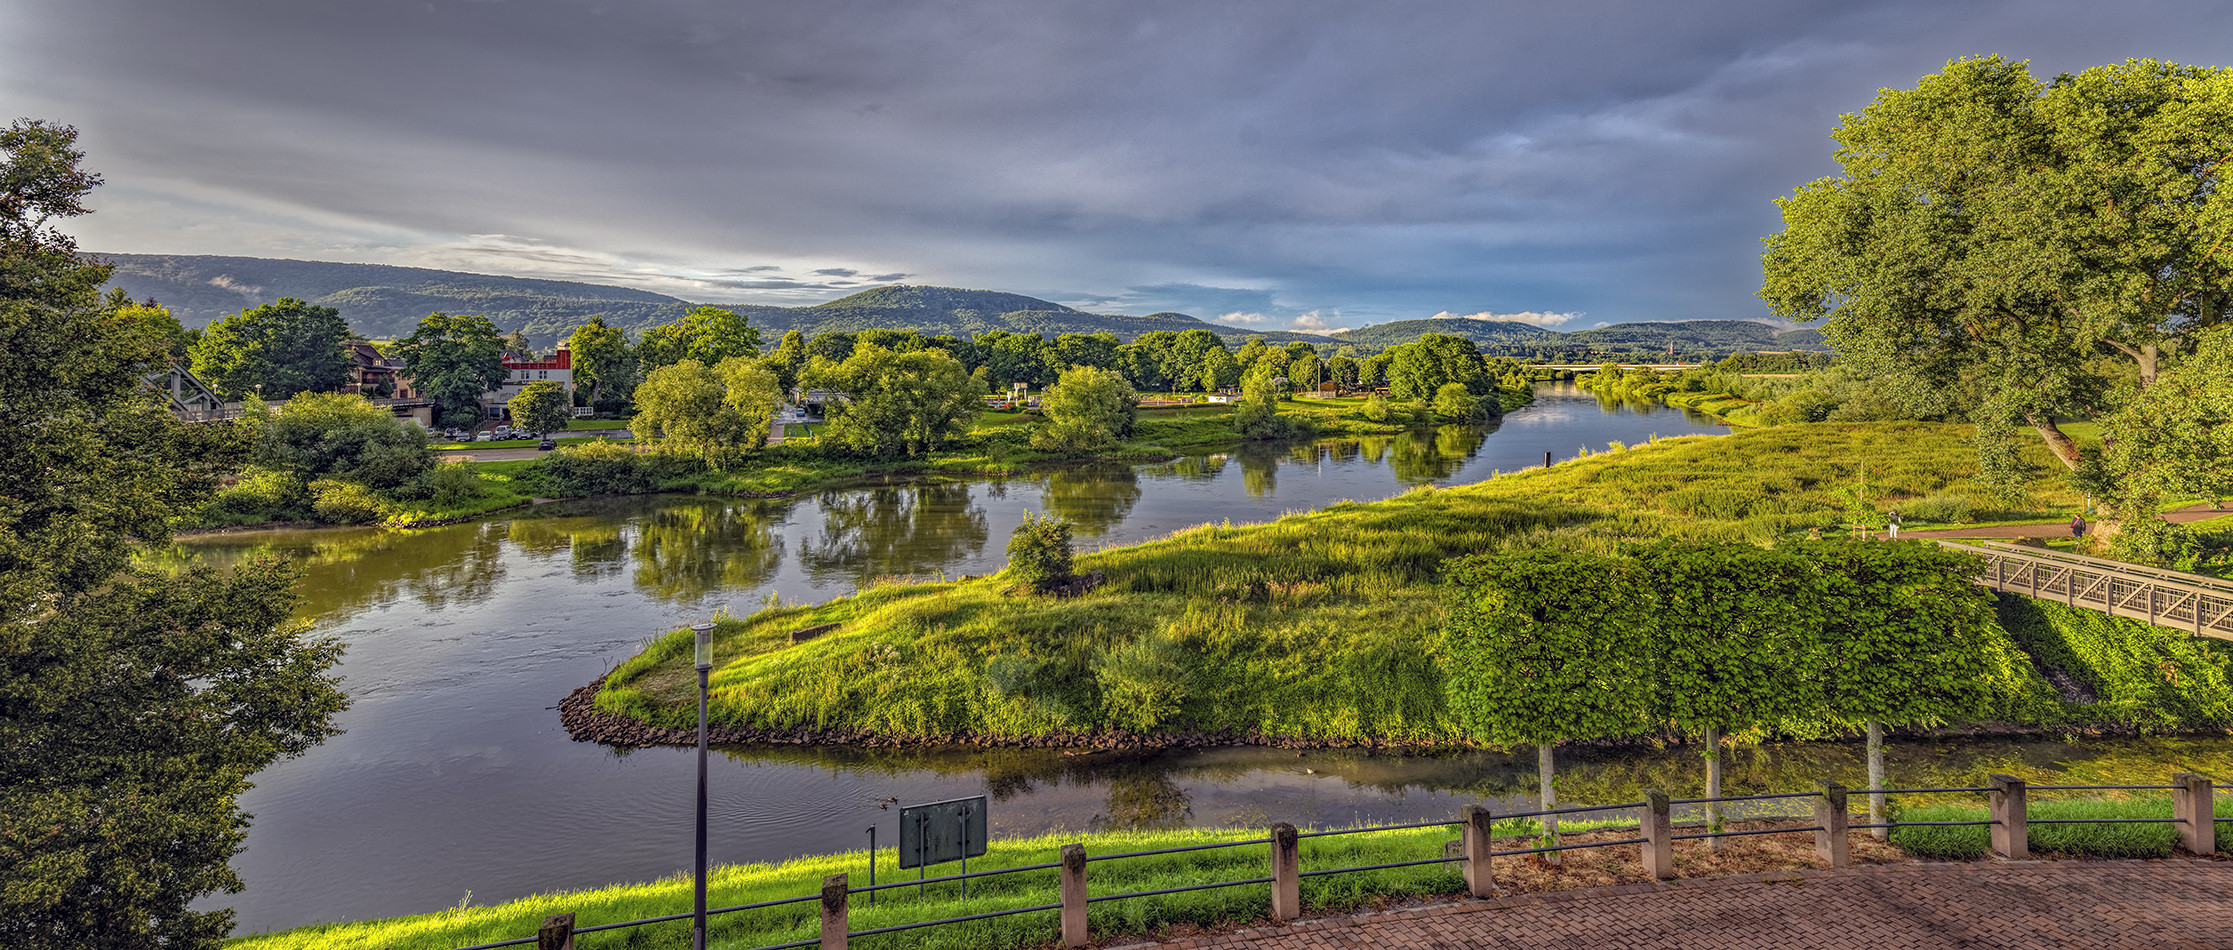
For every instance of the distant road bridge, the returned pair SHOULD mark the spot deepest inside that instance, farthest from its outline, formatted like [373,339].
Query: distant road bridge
[2199,605]
[1594,367]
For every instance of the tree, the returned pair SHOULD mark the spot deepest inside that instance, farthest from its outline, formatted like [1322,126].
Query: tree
[715,334]
[1991,227]
[275,351]
[133,707]
[899,403]
[1086,409]
[603,359]
[1418,369]
[1257,415]
[1220,371]
[344,435]
[715,411]
[541,407]
[1342,370]
[1453,404]
[2171,440]
[1188,356]
[1098,350]
[454,360]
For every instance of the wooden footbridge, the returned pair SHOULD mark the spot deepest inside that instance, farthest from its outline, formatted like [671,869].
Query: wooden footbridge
[2200,605]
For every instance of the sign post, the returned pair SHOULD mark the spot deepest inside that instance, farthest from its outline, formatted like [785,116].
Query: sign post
[939,832]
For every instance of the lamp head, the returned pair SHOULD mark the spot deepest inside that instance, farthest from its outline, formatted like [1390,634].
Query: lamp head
[705,645]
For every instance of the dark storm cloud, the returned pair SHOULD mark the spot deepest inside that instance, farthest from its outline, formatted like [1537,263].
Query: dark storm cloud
[1376,161]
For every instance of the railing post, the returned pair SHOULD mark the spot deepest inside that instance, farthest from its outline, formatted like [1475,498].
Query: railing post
[557,933]
[1658,834]
[1831,846]
[834,916]
[1287,868]
[2192,803]
[1479,826]
[2011,836]
[1073,896]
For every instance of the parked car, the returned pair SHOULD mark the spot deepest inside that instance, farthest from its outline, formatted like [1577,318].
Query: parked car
[489,436]
[546,445]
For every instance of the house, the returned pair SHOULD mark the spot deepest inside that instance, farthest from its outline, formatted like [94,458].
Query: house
[520,370]
[375,376]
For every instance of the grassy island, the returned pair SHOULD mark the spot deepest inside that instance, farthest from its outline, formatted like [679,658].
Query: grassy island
[1323,627]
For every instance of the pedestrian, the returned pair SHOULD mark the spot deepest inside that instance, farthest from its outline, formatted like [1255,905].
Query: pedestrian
[2077,527]
[1892,522]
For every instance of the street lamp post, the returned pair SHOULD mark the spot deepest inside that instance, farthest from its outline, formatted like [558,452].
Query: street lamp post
[705,666]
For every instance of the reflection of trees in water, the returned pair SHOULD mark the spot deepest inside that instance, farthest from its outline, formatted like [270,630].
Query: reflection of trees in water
[1093,497]
[1193,466]
[917,529]
[1422,456]
[686,550]
[600,551]
[1259,467]
[346,571]
[589,531]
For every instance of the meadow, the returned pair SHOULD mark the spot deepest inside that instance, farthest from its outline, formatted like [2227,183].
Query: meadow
[1323,627]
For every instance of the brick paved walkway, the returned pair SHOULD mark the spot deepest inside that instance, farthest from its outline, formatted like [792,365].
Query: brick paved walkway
[2031,904]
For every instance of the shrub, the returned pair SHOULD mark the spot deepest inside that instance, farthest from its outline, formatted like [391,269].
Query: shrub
[1376,408]
[1938,509]
[453,482]
[338,502]
[599,468]
[262,492]
[1454,403]
[1088,408]
[1039,552]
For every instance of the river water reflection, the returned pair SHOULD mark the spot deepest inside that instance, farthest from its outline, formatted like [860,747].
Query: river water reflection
[454,776]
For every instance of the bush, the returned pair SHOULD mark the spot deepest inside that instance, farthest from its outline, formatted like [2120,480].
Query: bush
[1938,509]
[1039,552]
[262,493]
[339,502]
[599,468]
[1454,403]
[343,435]
[453,482]
[1376,408]
[1087,409]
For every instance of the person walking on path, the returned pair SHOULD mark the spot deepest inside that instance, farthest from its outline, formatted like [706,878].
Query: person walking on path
[1892,523]
[2077,527]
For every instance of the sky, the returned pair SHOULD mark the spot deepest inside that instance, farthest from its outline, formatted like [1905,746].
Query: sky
[1273,165]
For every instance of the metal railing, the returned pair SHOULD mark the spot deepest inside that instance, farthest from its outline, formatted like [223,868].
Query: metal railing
[2200,605]
[2193,804]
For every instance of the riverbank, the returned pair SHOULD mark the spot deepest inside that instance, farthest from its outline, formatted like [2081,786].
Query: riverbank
[1320,628]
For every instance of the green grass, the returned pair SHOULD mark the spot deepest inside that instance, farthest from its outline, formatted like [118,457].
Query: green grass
[752,883]
[1322,625]
[2087,840]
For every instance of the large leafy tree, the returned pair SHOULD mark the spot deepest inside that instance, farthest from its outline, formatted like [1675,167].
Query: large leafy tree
[715,411]
[1419,369]
[603,360]
[2172,440]
[899,403]
[706,334]
[1992,228]
[275,351]
[133,708]
[454,359]
[1087,408]
[541,407]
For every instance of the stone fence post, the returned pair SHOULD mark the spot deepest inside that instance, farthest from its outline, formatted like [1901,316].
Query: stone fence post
[1073,896]
[1831,846]
[834,916]
[1287,881]
[2194,802]
[1658,834]
[1475,840]
[2011,834]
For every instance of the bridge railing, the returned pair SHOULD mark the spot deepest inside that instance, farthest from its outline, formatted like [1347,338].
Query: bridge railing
[2199,605]
[1652,830]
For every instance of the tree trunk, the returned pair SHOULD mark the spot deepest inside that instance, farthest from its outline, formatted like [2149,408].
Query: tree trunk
[1876,780]
[1545,772]
[1713,789]
[2058,442]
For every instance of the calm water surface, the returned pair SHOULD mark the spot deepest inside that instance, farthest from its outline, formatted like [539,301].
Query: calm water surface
[454,776]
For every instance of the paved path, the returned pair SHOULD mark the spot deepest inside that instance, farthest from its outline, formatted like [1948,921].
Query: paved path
[2061,529]
[2185,902]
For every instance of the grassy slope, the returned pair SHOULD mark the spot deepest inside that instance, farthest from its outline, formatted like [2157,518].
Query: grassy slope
[1321,625]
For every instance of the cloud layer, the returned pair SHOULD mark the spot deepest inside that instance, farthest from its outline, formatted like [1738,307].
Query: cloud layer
[1287,160]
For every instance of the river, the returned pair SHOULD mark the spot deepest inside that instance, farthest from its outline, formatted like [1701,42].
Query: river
[454,777]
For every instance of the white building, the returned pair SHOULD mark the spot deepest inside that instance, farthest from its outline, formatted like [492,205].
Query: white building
[519,373]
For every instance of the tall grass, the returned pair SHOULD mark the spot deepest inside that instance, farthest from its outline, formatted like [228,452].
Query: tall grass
[2088,840]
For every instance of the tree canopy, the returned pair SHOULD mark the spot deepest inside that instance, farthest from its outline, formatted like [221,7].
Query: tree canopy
[604,362]
[344,435]
[1991,226]
[133,707]
[275,351]
[453,359]
[541,407]
[1087,408]
[899,403]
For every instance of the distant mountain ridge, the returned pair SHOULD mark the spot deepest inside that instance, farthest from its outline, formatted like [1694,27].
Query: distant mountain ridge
[385,301]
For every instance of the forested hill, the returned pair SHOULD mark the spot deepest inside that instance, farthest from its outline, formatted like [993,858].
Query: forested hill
[379,300]
[1487,333]
[383,301]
